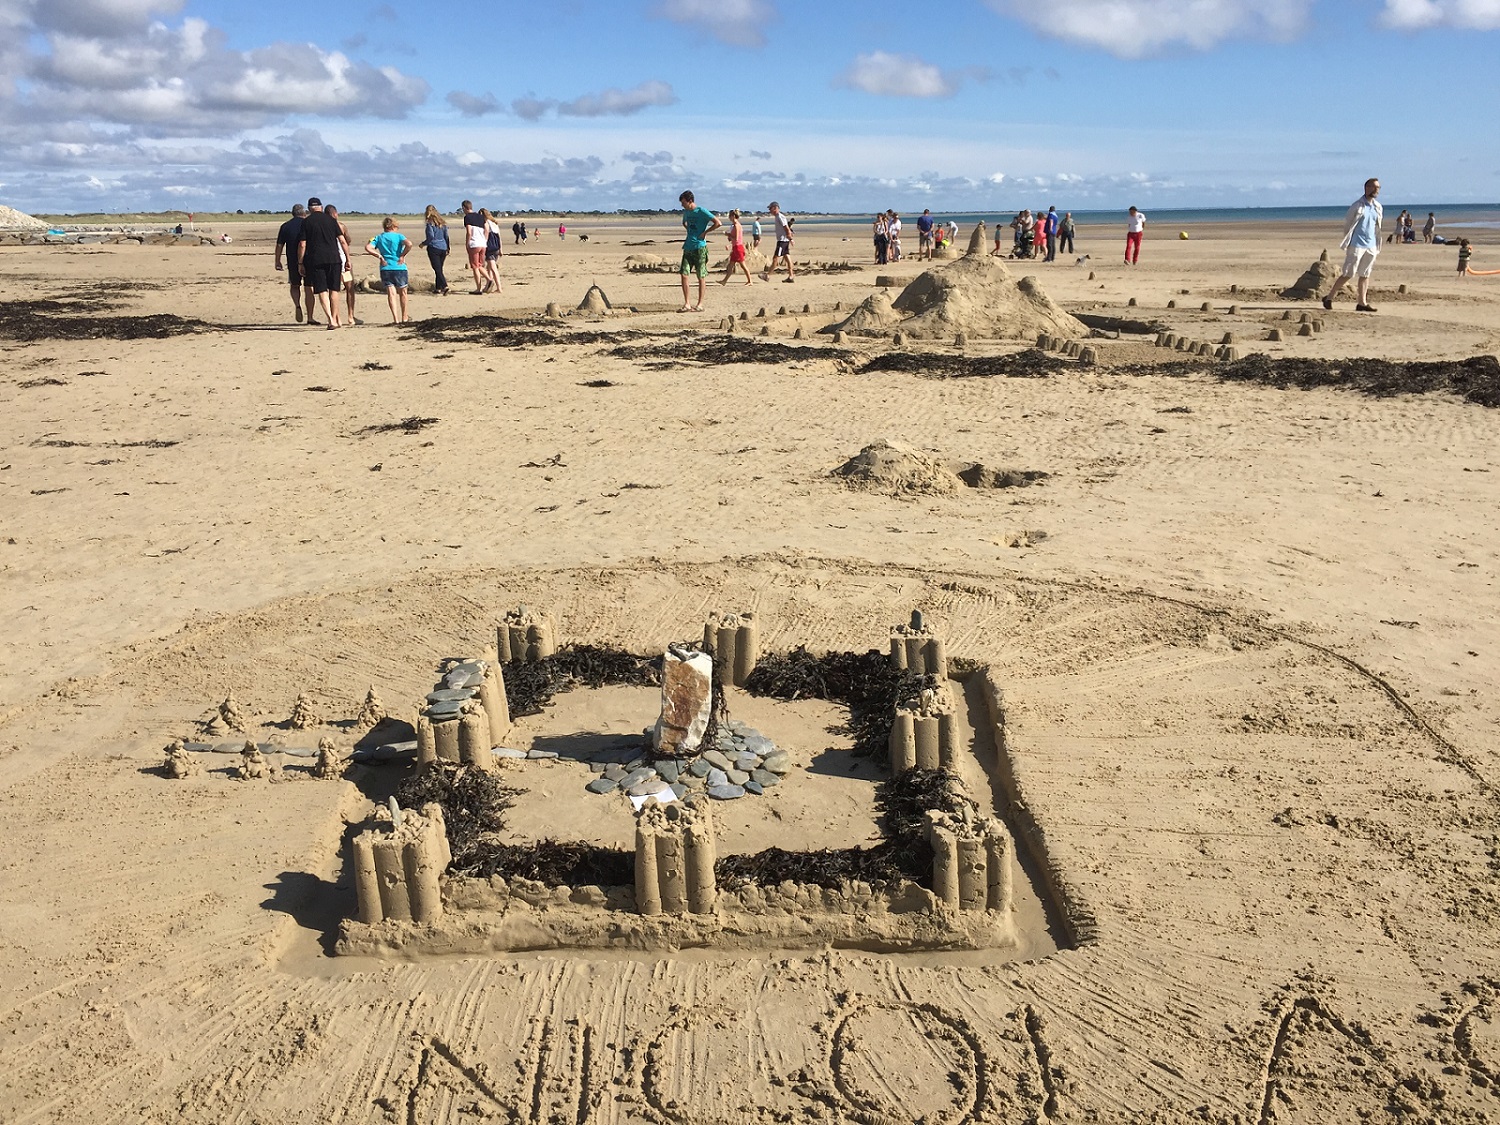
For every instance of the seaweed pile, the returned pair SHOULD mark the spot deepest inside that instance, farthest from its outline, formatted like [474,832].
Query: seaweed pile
[474,805]
[29,321]
[484,330]
[530,687]
[719,350]
[1033,363]
[555,864]
[1476,379]
[903,800]
[864,682]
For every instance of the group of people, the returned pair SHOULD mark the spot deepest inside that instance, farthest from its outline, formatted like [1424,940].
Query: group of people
[699,222]
[313,248]
[1037,235]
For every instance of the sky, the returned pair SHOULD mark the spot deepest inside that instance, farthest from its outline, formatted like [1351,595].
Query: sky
[824,105]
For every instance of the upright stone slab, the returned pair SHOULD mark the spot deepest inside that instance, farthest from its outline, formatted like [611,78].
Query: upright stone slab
[686,702]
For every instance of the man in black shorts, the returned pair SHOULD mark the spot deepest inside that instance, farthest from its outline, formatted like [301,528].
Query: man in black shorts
[287,239]
[322,263]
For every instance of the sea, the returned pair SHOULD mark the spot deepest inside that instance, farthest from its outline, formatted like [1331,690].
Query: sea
[1450,216]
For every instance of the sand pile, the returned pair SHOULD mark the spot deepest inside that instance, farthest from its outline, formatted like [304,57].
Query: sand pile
[755,261]
[595,303]
[974,296]
[1317,278]
[647,263]
[11,219]
[896,468]
[872,316]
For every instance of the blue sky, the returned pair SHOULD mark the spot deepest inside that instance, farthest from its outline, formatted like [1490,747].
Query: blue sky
[956,104]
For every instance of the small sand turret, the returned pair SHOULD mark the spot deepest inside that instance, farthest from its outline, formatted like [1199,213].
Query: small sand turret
[330,762]
[253,765]
[179,763]
[304,714]
[370,712]
[232,715]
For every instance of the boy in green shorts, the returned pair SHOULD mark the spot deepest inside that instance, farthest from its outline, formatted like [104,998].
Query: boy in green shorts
[699,222]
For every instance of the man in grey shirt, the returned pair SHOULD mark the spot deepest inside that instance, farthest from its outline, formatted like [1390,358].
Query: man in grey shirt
[1361,244]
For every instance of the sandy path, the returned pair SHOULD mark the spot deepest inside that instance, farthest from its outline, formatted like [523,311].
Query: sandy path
[1278,859]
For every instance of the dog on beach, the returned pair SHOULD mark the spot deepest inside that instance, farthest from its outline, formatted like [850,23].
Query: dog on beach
[1081,260]
[583,238]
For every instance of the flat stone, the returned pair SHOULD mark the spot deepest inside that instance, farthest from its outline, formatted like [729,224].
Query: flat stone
[737,725]
[737,777]
[541,755]
[747,762]
[648,788]
[636,777]
[615,772]
[451,695]
[228,747]
[716,759]
[507,752]
[717,777]
[754,787]
[669,771]
[699,768]
[297,751]
[765,778]
[726,792]
[601,785]
[409,746]
[198,747]
[777,762]
[759,744]
[440,711]
[679,791]
[460,679]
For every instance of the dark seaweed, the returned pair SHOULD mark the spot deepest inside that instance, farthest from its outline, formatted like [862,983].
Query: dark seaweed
[412,425]
[30,321]
[1476,379]
[720,350]
[554,864]
[488,331]
[903,800]
[1032,363]
[474,805]
[529,688]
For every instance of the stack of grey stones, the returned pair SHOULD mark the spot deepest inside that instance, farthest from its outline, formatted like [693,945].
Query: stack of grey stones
[741,761]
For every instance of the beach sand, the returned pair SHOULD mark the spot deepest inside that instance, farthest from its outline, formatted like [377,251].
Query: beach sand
[1248,638]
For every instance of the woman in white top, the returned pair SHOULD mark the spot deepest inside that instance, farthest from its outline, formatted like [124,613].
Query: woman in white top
[893,232]
[491,252]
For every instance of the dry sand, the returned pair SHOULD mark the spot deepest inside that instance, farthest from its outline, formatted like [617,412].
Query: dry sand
[1249,666]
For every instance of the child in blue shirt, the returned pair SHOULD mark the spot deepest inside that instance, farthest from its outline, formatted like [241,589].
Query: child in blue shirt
[391,247]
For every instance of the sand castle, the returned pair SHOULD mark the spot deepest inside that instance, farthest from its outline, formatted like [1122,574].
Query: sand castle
[973,297]
[595,302]
[676,887]
[1317,278]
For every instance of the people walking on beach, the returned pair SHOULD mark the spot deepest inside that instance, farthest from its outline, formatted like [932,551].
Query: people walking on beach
[1051,229]
[699,222]
[924,235]
[515,233]
[893,234]
[783,251]
[287,239]
[1065,233]
[562,230]
[735,234]
[435,242]
[320,259]
[1429,228]
[1465,253]
[391,247]
[882,241]
[755,231]
[1361,244]
[347,274]
[525,234]
[1135,230]
[1000,239]
[474,243]
[491,251]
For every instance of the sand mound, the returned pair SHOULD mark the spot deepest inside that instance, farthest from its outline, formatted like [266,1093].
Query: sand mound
[646,263]
[755,261]
[595,302]
[890,466]
[976,296]
[11,219]
[1315,279]
[872,316]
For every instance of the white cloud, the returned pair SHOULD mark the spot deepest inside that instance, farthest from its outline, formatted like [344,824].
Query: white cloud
[898,76]
[473,105]
[72,63]
[620,103]
[1413,15]
[1133,28]
[740,23]
[606,103]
